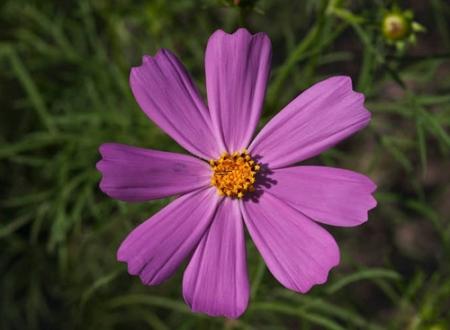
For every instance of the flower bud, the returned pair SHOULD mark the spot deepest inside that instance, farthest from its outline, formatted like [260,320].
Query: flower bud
[399,29]
[396,26]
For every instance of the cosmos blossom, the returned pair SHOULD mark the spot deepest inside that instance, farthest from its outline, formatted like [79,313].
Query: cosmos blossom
[231,179]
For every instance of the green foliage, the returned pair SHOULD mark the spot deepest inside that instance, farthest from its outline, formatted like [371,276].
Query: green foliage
[63,91]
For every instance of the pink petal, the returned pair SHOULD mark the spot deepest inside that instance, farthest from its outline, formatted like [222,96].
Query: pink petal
[216,281]
[136,174]
[166,93]
[330,195]
[237,68]
[316,120]
[155,249]
[298,252]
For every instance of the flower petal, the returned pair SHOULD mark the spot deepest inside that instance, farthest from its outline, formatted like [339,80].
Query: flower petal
[155,249]
[216,281]
[166,93]
[298,252]
[329,195]
[317,119]
[136,174]
[237,68]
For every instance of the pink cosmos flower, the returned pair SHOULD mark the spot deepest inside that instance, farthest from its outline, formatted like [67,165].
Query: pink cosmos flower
[233,179]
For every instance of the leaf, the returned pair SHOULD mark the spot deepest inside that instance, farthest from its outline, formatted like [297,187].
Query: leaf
[366,274]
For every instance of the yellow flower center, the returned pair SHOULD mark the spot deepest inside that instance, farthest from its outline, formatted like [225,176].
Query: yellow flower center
[234,174]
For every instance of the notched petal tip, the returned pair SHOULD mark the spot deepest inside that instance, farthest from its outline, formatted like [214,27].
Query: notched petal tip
[371,189]
[358,98]
[319,280]
[244,32]
[325,275]
[370,205]
[316,120]
[134,265]
[373,204]
[120,255]
[148,59]
[99,166]
[240,32]
[345,80]
[298,252]
[220,32]
[333,196]
[236,107]
[105,147]
[372,186]
[155,249]
[347,83]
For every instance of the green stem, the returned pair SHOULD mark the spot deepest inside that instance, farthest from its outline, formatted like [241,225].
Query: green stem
[296,55]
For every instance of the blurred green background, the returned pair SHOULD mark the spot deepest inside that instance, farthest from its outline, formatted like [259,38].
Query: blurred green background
[64,90]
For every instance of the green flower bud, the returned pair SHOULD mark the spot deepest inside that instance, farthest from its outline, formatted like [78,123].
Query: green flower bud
[399,28]
[396,26]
